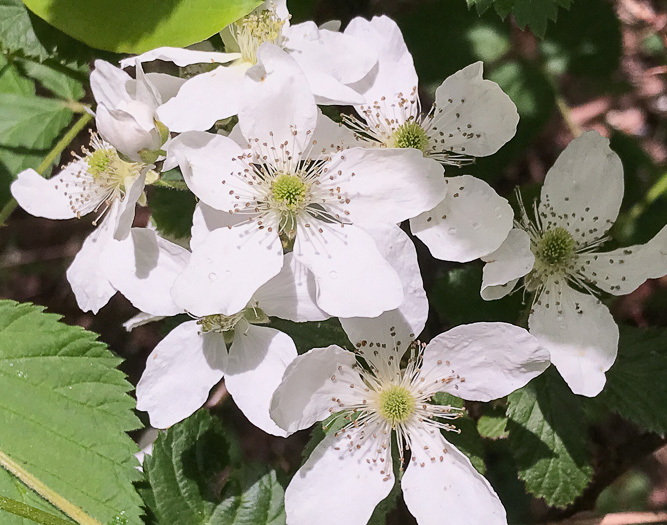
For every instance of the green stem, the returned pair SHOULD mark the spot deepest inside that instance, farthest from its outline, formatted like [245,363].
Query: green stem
[45,492]
[26,511]
[171,184]
[654,192]
[50,158]
[566,113]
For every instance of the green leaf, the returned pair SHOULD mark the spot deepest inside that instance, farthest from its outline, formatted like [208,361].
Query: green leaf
[171,211]
[11,80]
[27,35]
[31,122]
[596,51]
[317,334]
[493,425]
[467,439]
[134,27]
[63,81]
[533,13]
[550,451]
[64,411]
[636,387]
[195,477]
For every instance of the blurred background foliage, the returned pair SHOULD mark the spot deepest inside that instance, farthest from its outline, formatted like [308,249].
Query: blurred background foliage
[595,64]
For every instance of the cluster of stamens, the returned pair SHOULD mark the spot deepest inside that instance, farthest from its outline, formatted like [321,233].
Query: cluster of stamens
[219,323]
[253,30]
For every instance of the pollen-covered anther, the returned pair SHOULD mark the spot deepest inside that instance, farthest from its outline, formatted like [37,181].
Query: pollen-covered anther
[255,29]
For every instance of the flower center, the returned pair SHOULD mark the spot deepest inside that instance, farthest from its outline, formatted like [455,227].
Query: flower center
[397,404]
[289,191]
[410,135]
[556,247]
[220,323]
[108,170]
[255,29]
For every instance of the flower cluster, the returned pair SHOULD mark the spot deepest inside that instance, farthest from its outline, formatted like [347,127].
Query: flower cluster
[299,217]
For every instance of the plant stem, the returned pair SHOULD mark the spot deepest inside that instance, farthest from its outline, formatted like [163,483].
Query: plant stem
[45,492]
[50,158]
[654,192]
[171,184]
[26,511]
[566,113]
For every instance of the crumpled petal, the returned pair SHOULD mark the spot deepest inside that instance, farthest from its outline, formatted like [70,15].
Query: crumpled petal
[471,221]
[179,373]
[580,334]
[395,328]
[309,383]
[353,279]
[583,190]
[472,116]
[258,358]
[124,132]
[338,483]
[227,270]
[180,57]
[109,84]
[134,187]
[441,482]
[507,265]
[483,361]
[143,267]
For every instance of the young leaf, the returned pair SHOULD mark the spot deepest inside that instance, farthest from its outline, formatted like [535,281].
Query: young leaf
[171,211]
[532,13]
[550,451]
[64,411]
[493,425]
[195,477]
[636,387]
[128,26]
[31,122]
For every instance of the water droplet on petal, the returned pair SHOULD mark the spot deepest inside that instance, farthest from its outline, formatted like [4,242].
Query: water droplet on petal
[475,226]
[212,276]
[228,272]
[452,231]
[333,275]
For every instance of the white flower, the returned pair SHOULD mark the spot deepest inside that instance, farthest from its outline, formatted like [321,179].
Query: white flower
[125,114]
[351,471]
[330,60]
[197,354]
[559,254]
[289,183]
[471,117]
[100,182]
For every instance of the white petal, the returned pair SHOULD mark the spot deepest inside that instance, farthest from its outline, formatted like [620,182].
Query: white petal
[336,484]
[140,319]
[485,360]
[622,271]
[330,60]
[396,328]
[580,334]
[208,164]
[507,265]
[179,373]
[134,187]
[204,99]
[308,385]
[266,114]
[206,219]
[143,267]
[124,132]
[472,221]
[258,358]
[584,188]
[395,72]
[109,84]
[330,136]
[180,57]
[390,185]
[227,270]
[353,279]
[90,285]
[143,91]
[291,294]
[167,85]
[47,197]
[442,484]
[479,115]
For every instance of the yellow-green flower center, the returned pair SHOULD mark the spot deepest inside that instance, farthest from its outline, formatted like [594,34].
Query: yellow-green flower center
[99,161]
[255,29]
[410,135]
[397,404]
[289,191]
[556,247]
